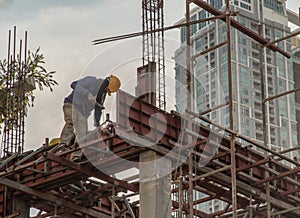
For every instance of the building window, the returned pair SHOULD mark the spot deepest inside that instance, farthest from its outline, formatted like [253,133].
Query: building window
[245,81]
[244,71]
[214,115]
[248,7]
[274,5]
[268,32]
[242,40]
[217,3]
[258,115]
[202,15]
[259,136]
[245,91]
[198,44]
[194,26]
[258,126]
[183,34]
[282,108]
[245,111]
[243,50]
[211,36]
[245,101]
[243,59]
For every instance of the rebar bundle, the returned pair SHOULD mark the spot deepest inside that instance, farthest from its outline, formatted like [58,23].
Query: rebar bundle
[15,78]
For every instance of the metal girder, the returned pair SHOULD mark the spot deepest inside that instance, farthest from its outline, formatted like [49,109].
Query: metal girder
[198,213]
[291,191]
[245,138]
[257,163]
[247,189]
[279,176]
[51,198]
[240,27]
[286,211]
[9,159]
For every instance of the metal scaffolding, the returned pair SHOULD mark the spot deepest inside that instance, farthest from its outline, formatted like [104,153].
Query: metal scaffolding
[250,183]
[234,204]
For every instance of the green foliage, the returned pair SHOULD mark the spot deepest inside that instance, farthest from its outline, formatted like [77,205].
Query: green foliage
[33,68]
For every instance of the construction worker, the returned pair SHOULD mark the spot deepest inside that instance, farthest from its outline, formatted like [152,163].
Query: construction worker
[88,94]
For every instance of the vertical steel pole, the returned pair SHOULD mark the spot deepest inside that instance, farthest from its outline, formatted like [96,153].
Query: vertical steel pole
[188,55]
[113,207]
[14,130]
[180,197]
[263,103]
[189,101]
[23,110]
[5,201]
[264,113]
[5,135]
[19,96]
[231,107]
[191,203]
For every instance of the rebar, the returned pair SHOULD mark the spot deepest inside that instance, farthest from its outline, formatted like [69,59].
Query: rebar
[15,75]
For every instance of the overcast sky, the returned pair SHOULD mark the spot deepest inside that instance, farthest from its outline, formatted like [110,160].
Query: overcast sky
[64,29]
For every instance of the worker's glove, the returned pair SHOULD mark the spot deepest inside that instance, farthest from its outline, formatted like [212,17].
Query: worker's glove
[100,106]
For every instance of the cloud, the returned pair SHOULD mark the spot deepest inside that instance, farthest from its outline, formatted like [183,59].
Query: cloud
[64,31]
[64,34]
[4,3]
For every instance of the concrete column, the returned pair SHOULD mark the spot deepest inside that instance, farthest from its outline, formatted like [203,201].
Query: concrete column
[155,185]
[21,207]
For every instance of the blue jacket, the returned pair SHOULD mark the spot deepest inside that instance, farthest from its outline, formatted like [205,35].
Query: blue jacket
[81,89]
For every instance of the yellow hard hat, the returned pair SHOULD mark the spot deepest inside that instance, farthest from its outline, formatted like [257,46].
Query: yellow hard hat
[114,84]
[54,141]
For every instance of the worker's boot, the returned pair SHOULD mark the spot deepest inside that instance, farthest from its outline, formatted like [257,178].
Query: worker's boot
[61,147]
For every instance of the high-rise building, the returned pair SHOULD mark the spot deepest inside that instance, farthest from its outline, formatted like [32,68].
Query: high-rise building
[210,84]
[210,73]
[296,67]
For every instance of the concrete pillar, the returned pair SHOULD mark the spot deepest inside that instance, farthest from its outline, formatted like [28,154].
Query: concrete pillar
[155,185]
[21,207]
